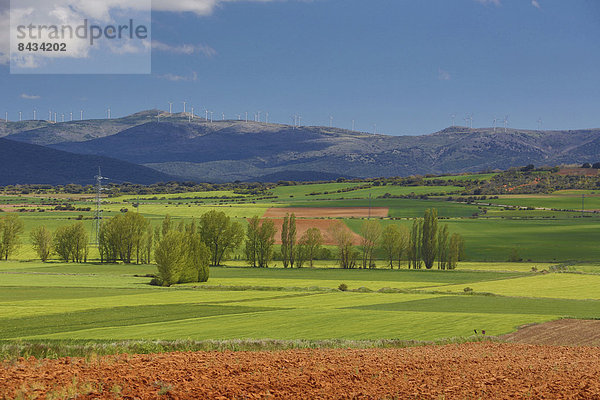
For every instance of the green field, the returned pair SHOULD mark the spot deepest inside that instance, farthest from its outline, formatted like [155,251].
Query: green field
[89,302]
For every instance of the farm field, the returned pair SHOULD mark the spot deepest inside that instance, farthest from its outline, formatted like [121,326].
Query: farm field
[492,233]
[466,371]
[115,302]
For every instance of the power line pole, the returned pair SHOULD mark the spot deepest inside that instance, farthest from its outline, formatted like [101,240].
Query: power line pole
[98,213]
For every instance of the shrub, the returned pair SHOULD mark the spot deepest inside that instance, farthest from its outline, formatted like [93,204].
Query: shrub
[343,287]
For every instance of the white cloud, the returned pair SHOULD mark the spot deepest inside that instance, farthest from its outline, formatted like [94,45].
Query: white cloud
[443,75]
[30,96]
[536,4]
[180,78]
[186,49]
[490,2]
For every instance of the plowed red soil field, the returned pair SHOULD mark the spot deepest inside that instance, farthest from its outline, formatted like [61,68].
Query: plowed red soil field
[567,332]
[467,371]
[302,225]
[330,212]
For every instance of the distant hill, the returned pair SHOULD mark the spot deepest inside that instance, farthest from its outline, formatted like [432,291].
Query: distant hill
[234,150]
[46,133]
[251,151]
[22,163]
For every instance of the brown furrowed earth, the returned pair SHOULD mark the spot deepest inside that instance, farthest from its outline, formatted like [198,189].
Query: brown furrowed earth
[328,212]
[566,332]
[302,225]
[466,371]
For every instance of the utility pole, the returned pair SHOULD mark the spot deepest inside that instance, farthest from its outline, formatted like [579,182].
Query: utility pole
[98,213]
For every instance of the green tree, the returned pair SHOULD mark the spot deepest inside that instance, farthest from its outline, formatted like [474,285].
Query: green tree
[454,250]
[414,247]
[309,245]
[121,238]
[344,241]
[41,241]
[266,240]
[285,235]
[443,247]
[251,248]
[370,233]
[170,257]
[220,234]
[429,238]
[182,256]
[394,242]
[11,228]
[288,240]
[292,240]
[146,245]
[70,242]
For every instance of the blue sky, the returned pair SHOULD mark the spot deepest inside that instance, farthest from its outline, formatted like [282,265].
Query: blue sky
[404,65]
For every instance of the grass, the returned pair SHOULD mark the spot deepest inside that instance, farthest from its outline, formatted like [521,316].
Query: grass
[400,208]
[557,285]
[89,349]
[118,306]
[562,201]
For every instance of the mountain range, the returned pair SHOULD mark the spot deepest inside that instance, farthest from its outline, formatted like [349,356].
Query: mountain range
[220,151]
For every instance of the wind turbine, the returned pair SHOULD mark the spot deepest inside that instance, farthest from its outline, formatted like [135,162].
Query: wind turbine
[258,113]
[108,112]
[505,122]
[192,112]
[81,115]
[540,124]
[211,117]
[49,115]
[34,114]
[375,129]
[184,103]
[54,117]
[239,117]
[71,116]
[6,117]
[453,116]
[267,117]
[469,121]
[206,115]
[495,120]
[353,124]
[246,116]
[331,121]
[223,115]
[170,108]
[20,116]
[62,117]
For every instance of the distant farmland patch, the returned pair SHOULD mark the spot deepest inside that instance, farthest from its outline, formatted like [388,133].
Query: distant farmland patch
[302,225]
[328,212]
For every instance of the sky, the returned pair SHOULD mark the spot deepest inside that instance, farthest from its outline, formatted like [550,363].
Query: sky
[400,67]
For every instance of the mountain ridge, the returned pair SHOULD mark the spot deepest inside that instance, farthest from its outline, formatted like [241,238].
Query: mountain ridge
[232,150]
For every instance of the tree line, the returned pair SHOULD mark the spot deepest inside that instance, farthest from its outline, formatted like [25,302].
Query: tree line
[183,252]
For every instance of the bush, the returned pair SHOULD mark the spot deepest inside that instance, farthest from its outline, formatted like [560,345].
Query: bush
[343,287]
[468,290]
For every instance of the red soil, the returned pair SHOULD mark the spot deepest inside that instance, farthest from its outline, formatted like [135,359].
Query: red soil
[565,332]
[302,225]
[468,371]
[330,212]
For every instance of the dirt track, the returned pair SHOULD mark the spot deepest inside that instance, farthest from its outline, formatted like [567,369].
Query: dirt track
[469,371]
